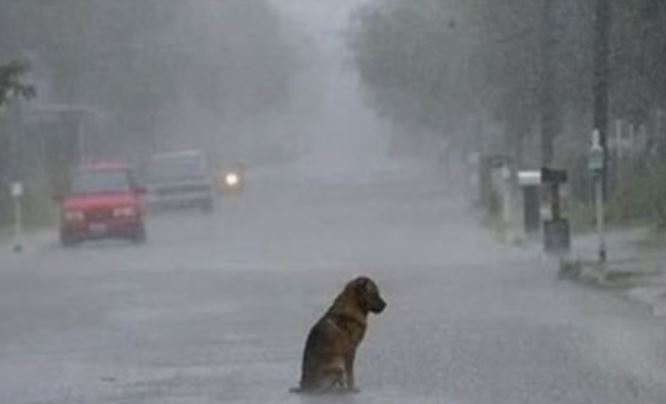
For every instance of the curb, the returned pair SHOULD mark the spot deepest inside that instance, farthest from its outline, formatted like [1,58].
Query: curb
[636,286]
[31,242]
[654,297]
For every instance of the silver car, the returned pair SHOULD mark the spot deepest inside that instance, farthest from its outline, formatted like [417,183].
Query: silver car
[180,180]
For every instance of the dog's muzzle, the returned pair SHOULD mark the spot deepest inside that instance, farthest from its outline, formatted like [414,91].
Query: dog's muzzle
[378,306]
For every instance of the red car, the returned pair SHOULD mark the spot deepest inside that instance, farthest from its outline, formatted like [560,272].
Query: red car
[103,201]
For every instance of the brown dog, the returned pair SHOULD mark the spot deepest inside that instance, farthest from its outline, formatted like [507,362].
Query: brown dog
[330,349]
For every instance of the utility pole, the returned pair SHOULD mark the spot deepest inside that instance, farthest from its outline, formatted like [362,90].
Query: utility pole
[596,164]
[602,80]
[546,101]
[16,187]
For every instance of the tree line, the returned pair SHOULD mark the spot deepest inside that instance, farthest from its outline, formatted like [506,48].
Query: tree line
[155,71]
[447,64]
[141,61]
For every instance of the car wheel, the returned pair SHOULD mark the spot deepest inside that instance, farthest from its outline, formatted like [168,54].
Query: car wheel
[67,240]
[207,207]
[140,236]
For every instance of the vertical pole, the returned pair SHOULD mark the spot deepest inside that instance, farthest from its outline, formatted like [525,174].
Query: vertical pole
[618,151]
[15,156]
[18,224]
[632,141]
[81,141]
[601,79]
[507,201]
[596,164]
[556,213]
[601,222]
[546,107]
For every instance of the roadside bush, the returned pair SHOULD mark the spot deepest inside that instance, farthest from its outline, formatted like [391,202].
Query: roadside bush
[581,216]
[657,187]
[38,210]
[640,198]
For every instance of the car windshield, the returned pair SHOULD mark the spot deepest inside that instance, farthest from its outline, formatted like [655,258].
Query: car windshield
[164,169]
[102,181]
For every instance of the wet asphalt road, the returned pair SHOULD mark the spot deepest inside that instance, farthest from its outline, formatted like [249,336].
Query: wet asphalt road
[214,309]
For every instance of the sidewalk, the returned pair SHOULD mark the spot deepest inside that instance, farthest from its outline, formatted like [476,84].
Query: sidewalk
[635,269]
[32,242]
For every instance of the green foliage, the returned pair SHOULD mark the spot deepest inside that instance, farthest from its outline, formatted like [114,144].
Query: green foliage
[632,202]
[639,57]
[639,200]
[143,62]
[446,65]
[411,56]
[10,81]
[581,216]
[39,210]
[657,197]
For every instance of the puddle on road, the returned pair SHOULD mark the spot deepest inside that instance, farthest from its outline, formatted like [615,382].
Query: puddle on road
[365,397]
[288,398]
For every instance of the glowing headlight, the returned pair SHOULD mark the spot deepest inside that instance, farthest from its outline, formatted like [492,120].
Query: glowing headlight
[73,216]
[126,211]
[231,179]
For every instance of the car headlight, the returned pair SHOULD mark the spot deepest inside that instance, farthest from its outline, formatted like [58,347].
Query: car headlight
[125,211]
[73,216]
[231,179]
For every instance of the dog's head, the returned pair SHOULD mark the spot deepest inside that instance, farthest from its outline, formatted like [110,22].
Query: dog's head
[367,295]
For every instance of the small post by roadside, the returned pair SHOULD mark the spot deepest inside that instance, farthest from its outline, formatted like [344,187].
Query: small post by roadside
[16,187]
[17,194]
[596,165]
[507,202]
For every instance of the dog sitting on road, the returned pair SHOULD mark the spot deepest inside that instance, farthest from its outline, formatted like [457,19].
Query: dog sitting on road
[330,349]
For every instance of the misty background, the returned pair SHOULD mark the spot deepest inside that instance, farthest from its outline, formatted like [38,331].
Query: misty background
[341,90]
[253,81]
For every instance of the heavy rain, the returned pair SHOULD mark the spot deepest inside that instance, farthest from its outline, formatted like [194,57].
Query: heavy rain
[355,201]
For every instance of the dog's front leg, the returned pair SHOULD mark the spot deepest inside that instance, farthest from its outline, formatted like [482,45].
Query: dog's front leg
[334,378]
[349,370]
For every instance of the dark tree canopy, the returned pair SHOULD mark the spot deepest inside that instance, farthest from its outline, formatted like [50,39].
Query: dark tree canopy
[436,63]
[10,82]
[143,61]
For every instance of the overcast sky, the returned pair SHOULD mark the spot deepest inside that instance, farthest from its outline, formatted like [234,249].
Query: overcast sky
[346,137]
[320,15]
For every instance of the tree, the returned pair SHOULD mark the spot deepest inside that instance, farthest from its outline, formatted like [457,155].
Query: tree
[638,58]
[11,86]
[447,63]
[10,82]
[410,58]
[158,68]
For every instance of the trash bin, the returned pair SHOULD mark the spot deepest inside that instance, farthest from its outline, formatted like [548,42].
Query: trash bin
[556,230]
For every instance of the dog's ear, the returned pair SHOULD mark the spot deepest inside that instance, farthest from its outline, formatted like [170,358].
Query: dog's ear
[362,284]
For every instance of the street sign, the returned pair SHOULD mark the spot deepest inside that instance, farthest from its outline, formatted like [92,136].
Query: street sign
[17,189]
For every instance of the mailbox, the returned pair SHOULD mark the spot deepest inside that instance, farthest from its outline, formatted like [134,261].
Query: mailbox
[553,176]
[530,184]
